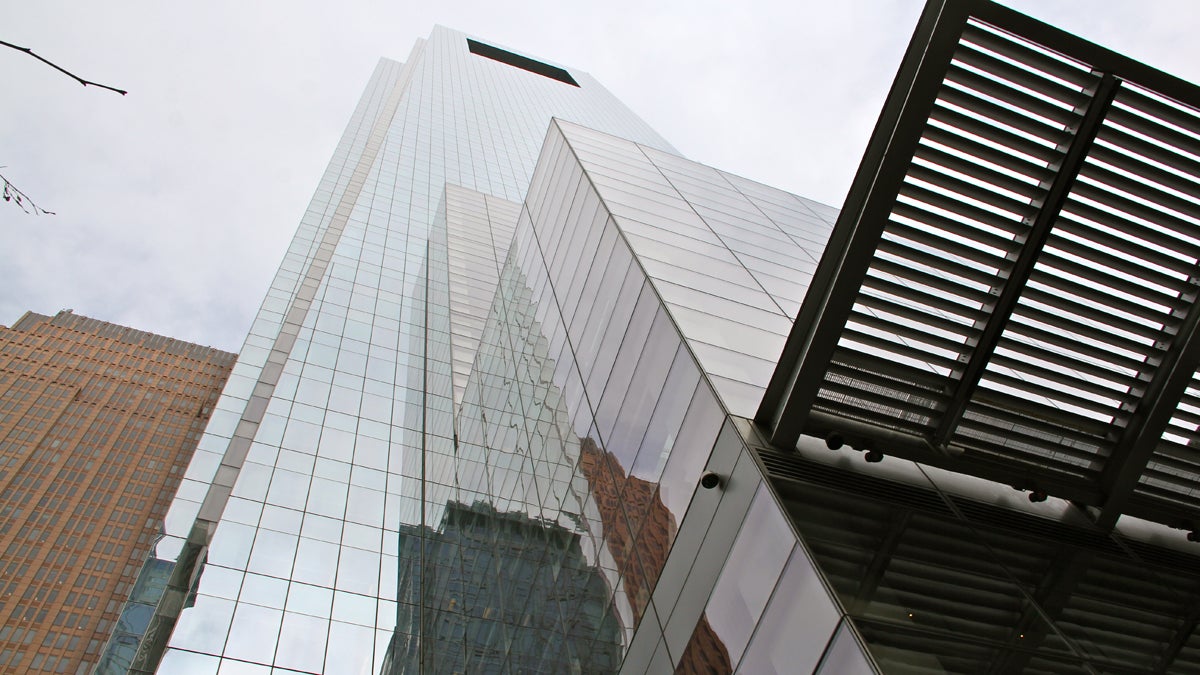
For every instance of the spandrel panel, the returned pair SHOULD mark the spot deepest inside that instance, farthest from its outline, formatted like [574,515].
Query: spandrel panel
[204,626]
[273,553]
[263,590]
[231,545]
[845,655]
[308,599]
[189,663]
[302,642]
[252,635]
[797,625]
[749,576]
[690,451]
[221,582]
[668,416]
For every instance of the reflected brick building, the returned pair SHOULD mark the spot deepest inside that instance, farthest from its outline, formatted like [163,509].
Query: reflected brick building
[641,546]
[97,423]
[500,592]
[508,293]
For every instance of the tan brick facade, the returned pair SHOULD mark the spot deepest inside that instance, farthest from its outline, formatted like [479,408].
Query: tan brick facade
[97,425]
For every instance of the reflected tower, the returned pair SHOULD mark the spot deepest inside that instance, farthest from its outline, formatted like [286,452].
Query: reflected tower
[336,430]
[514,328]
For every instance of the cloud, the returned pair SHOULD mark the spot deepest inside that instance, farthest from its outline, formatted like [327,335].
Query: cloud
[176,202]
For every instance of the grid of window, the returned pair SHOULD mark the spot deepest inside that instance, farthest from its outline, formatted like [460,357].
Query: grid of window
[313,459]
[97,423]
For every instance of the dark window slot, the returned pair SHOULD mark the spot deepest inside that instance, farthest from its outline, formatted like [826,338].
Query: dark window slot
[522,62]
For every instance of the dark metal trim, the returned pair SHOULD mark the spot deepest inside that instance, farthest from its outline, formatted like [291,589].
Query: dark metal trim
[1099,58]
[903,445]
[840,280]
[823,315]
[1010,292]
[1150,418]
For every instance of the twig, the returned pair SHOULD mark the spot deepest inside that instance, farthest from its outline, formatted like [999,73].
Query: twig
[62,70]
[11,194]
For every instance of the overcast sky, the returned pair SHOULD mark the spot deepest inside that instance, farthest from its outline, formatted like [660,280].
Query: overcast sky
[175,203]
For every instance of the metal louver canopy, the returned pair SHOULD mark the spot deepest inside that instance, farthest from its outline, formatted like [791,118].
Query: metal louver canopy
[1011,288]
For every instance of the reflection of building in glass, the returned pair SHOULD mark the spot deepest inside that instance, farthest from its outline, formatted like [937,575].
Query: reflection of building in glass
[509,294]
[492,592]
[640,546]
[97,422]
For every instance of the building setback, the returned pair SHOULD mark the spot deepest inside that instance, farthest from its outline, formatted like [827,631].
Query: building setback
[532,393]
[97,424]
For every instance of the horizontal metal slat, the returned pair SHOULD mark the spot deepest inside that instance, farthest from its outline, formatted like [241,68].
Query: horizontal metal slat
[1007,139]
[892,349]
[980,172]
[916,315]
[1133,259]
[986,278]
[1139,167]
[1064,360]
[1178,427]
[862,399]
[1057,395]
[1019,51]
[1122,224]
[881,391]
[1082,430]
[932,281]
[1136,209]
[1166,156]
[1069,344]
[904,330]
[1183,484]
[1019,118]
[1109,339]
[938,223]
[1160,504]
[969,211]
[931,238]
[869,416]
[1155,130]
[999,406]
[1097,273]
[1142,189]
[1189,418]
[1060,376]
[1072,98]
[943,303]
[1182,458]
[1022,209]
[1015,163]
[1069,307]
[971,314]
[1134,97]
[1042,462]
[925,380]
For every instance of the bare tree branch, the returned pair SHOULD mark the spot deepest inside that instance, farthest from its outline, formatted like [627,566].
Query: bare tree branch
[62,70]
[12,194]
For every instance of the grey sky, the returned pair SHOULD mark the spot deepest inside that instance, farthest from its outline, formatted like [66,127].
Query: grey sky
[176,202]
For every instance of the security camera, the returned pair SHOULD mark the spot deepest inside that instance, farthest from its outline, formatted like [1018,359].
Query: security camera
[710,480]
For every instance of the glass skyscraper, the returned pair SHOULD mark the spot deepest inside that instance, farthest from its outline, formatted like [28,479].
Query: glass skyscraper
[493,312]
[527,395]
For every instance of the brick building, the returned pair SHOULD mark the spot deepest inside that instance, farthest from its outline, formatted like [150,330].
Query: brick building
[97,424]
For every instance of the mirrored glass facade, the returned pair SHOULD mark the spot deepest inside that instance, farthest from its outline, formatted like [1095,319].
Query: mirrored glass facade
[467,428]
[495,416]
